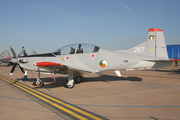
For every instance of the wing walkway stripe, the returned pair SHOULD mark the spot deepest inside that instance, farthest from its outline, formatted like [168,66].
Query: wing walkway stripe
[54,104]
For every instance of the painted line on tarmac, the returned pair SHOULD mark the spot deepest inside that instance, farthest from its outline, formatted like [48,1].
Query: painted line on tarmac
[71,110]
[85,104]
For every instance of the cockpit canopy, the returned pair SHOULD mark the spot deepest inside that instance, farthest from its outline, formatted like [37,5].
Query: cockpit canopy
[76,49]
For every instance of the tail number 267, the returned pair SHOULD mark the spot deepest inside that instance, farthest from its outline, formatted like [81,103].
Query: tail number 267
[139,49]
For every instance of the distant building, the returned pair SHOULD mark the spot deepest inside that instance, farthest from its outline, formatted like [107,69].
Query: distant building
[174,52]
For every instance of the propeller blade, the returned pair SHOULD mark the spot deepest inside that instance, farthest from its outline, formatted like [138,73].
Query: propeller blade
[14,54]
[22,70]
[13,68]
[22,51]
[15,60]
[25,54]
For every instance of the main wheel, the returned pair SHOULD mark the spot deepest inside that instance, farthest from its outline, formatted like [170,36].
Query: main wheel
[70,84]
[78,78]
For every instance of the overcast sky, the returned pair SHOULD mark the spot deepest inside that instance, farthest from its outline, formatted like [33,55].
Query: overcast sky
[46,25]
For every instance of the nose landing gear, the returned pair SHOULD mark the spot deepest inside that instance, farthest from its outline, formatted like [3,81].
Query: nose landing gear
[38,82]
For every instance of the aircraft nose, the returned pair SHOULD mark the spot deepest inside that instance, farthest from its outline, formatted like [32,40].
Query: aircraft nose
[13,60]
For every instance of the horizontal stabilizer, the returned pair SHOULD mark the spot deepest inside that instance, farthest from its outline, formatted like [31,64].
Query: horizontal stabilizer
[158,60]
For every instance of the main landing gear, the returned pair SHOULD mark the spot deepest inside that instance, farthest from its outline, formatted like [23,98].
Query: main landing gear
[72,79]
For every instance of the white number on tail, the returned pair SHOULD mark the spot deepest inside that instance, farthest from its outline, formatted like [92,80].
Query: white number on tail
[139,49]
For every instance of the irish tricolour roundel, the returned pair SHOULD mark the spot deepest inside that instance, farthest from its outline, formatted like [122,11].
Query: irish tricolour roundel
[103,63]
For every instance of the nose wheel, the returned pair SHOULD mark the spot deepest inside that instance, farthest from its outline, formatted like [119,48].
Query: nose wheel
[38,83]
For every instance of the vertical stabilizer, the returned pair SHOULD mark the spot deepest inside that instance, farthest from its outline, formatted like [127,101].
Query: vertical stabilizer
[156,46]
[4,54]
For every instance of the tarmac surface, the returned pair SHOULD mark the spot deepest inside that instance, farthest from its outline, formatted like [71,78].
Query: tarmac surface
[137,95]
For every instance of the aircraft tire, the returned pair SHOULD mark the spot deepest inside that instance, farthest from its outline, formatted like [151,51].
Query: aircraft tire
[70,86]
[78,78]
[34,84]
[41,84]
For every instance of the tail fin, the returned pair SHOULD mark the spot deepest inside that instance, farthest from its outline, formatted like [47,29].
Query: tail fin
[33,52]
[4,54]
[154,46]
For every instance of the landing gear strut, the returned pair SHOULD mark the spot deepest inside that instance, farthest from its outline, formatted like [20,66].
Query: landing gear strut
[38,82]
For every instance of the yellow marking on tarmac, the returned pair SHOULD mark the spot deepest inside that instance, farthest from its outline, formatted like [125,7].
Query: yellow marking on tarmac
[44,99]
[54,104]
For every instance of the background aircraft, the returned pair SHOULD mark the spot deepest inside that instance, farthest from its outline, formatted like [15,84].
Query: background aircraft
[3,57]
[78,59]
[33,52]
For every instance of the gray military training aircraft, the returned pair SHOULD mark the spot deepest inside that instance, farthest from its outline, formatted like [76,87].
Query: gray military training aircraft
[3,57]
[78,59]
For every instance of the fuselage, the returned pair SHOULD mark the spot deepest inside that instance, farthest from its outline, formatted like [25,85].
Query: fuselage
[102,60]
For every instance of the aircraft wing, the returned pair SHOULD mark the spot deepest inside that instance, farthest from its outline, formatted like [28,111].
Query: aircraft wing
[63,69]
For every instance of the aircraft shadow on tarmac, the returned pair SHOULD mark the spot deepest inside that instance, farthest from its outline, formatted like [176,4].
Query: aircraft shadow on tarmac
[175,71]
[61,81]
